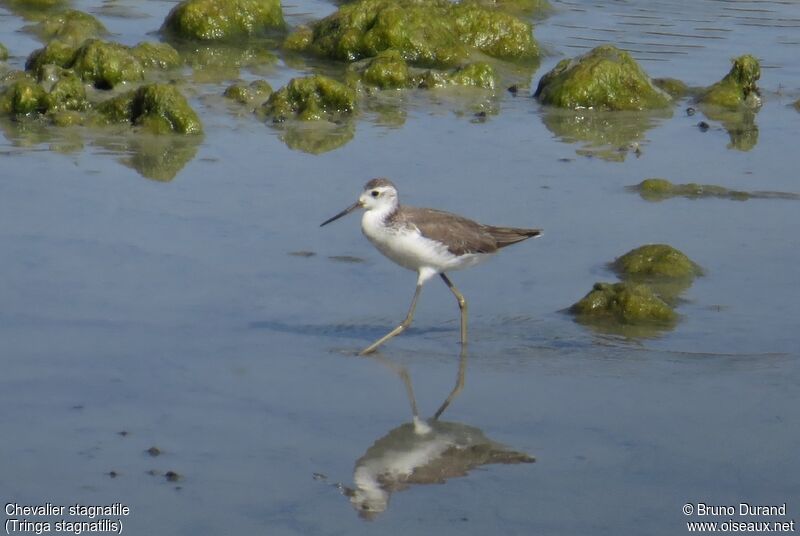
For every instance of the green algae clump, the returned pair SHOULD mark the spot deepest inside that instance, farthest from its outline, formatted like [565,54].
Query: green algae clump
[655,261]
[23,97]
[72,27]
[738,88]
[54,53]
[223,20]
[68,93]
[424,32]
[626,303]
[256,92]
[106,64]
[159,108]
[656,189]
[605,78]
[311,98]
[387,70]
[3,52]
[156,55]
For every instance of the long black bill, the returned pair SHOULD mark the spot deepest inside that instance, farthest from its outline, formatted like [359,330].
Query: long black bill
[345,212]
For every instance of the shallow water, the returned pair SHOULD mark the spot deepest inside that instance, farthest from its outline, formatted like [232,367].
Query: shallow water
[173,313]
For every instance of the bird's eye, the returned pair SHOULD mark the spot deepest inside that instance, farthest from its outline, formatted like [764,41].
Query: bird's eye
[374,193]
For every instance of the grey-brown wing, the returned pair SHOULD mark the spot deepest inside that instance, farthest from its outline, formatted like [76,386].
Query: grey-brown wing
[459,234]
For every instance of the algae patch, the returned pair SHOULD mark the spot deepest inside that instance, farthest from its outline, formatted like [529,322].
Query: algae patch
[656,189]
[311,98]
[605,78]
[653,276]
[223,20]
[625,303]
[158,108]
[254,93]
[653,261]
[738,89]
[424,32]
[105,64]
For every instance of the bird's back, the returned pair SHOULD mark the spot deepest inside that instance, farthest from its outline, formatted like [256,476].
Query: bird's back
[460,235]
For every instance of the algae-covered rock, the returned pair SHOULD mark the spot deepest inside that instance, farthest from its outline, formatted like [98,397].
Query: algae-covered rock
[71,27]
[256,92]
[156,55]
[387,70]
[738,89]
[54,53]
[220,20]
[68,93]
[656,189]
[23,97]
[424,32]
[159,108]
[605,78]
[479,74]
[106,64]
[311,98]
[3,52]
[654,261]
[626,303]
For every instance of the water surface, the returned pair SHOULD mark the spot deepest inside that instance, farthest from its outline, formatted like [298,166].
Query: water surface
[173,313]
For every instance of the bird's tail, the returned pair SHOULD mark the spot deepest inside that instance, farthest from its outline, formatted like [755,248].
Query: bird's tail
[505,236]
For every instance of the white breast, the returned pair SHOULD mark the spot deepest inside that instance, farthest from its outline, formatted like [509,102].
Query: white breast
[408,248]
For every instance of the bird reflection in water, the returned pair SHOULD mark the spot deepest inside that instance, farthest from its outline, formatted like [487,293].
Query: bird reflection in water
[422,452]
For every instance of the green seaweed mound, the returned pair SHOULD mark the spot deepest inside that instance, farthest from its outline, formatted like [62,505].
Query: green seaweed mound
[738,89]
[23,97]
[54,53]
[387,70]
[68,93]
[158,108]
[256,92]
[103,63]
[223,20]
[61,92]
[655,261]
[424,32]
[626,303]
[311,98]
[605,78]
[3,52]
[656,189]
[156,55]
[106,64]
[72,27]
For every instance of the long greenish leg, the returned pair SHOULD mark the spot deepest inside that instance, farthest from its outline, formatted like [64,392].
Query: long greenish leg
[462,304]
[399,329]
